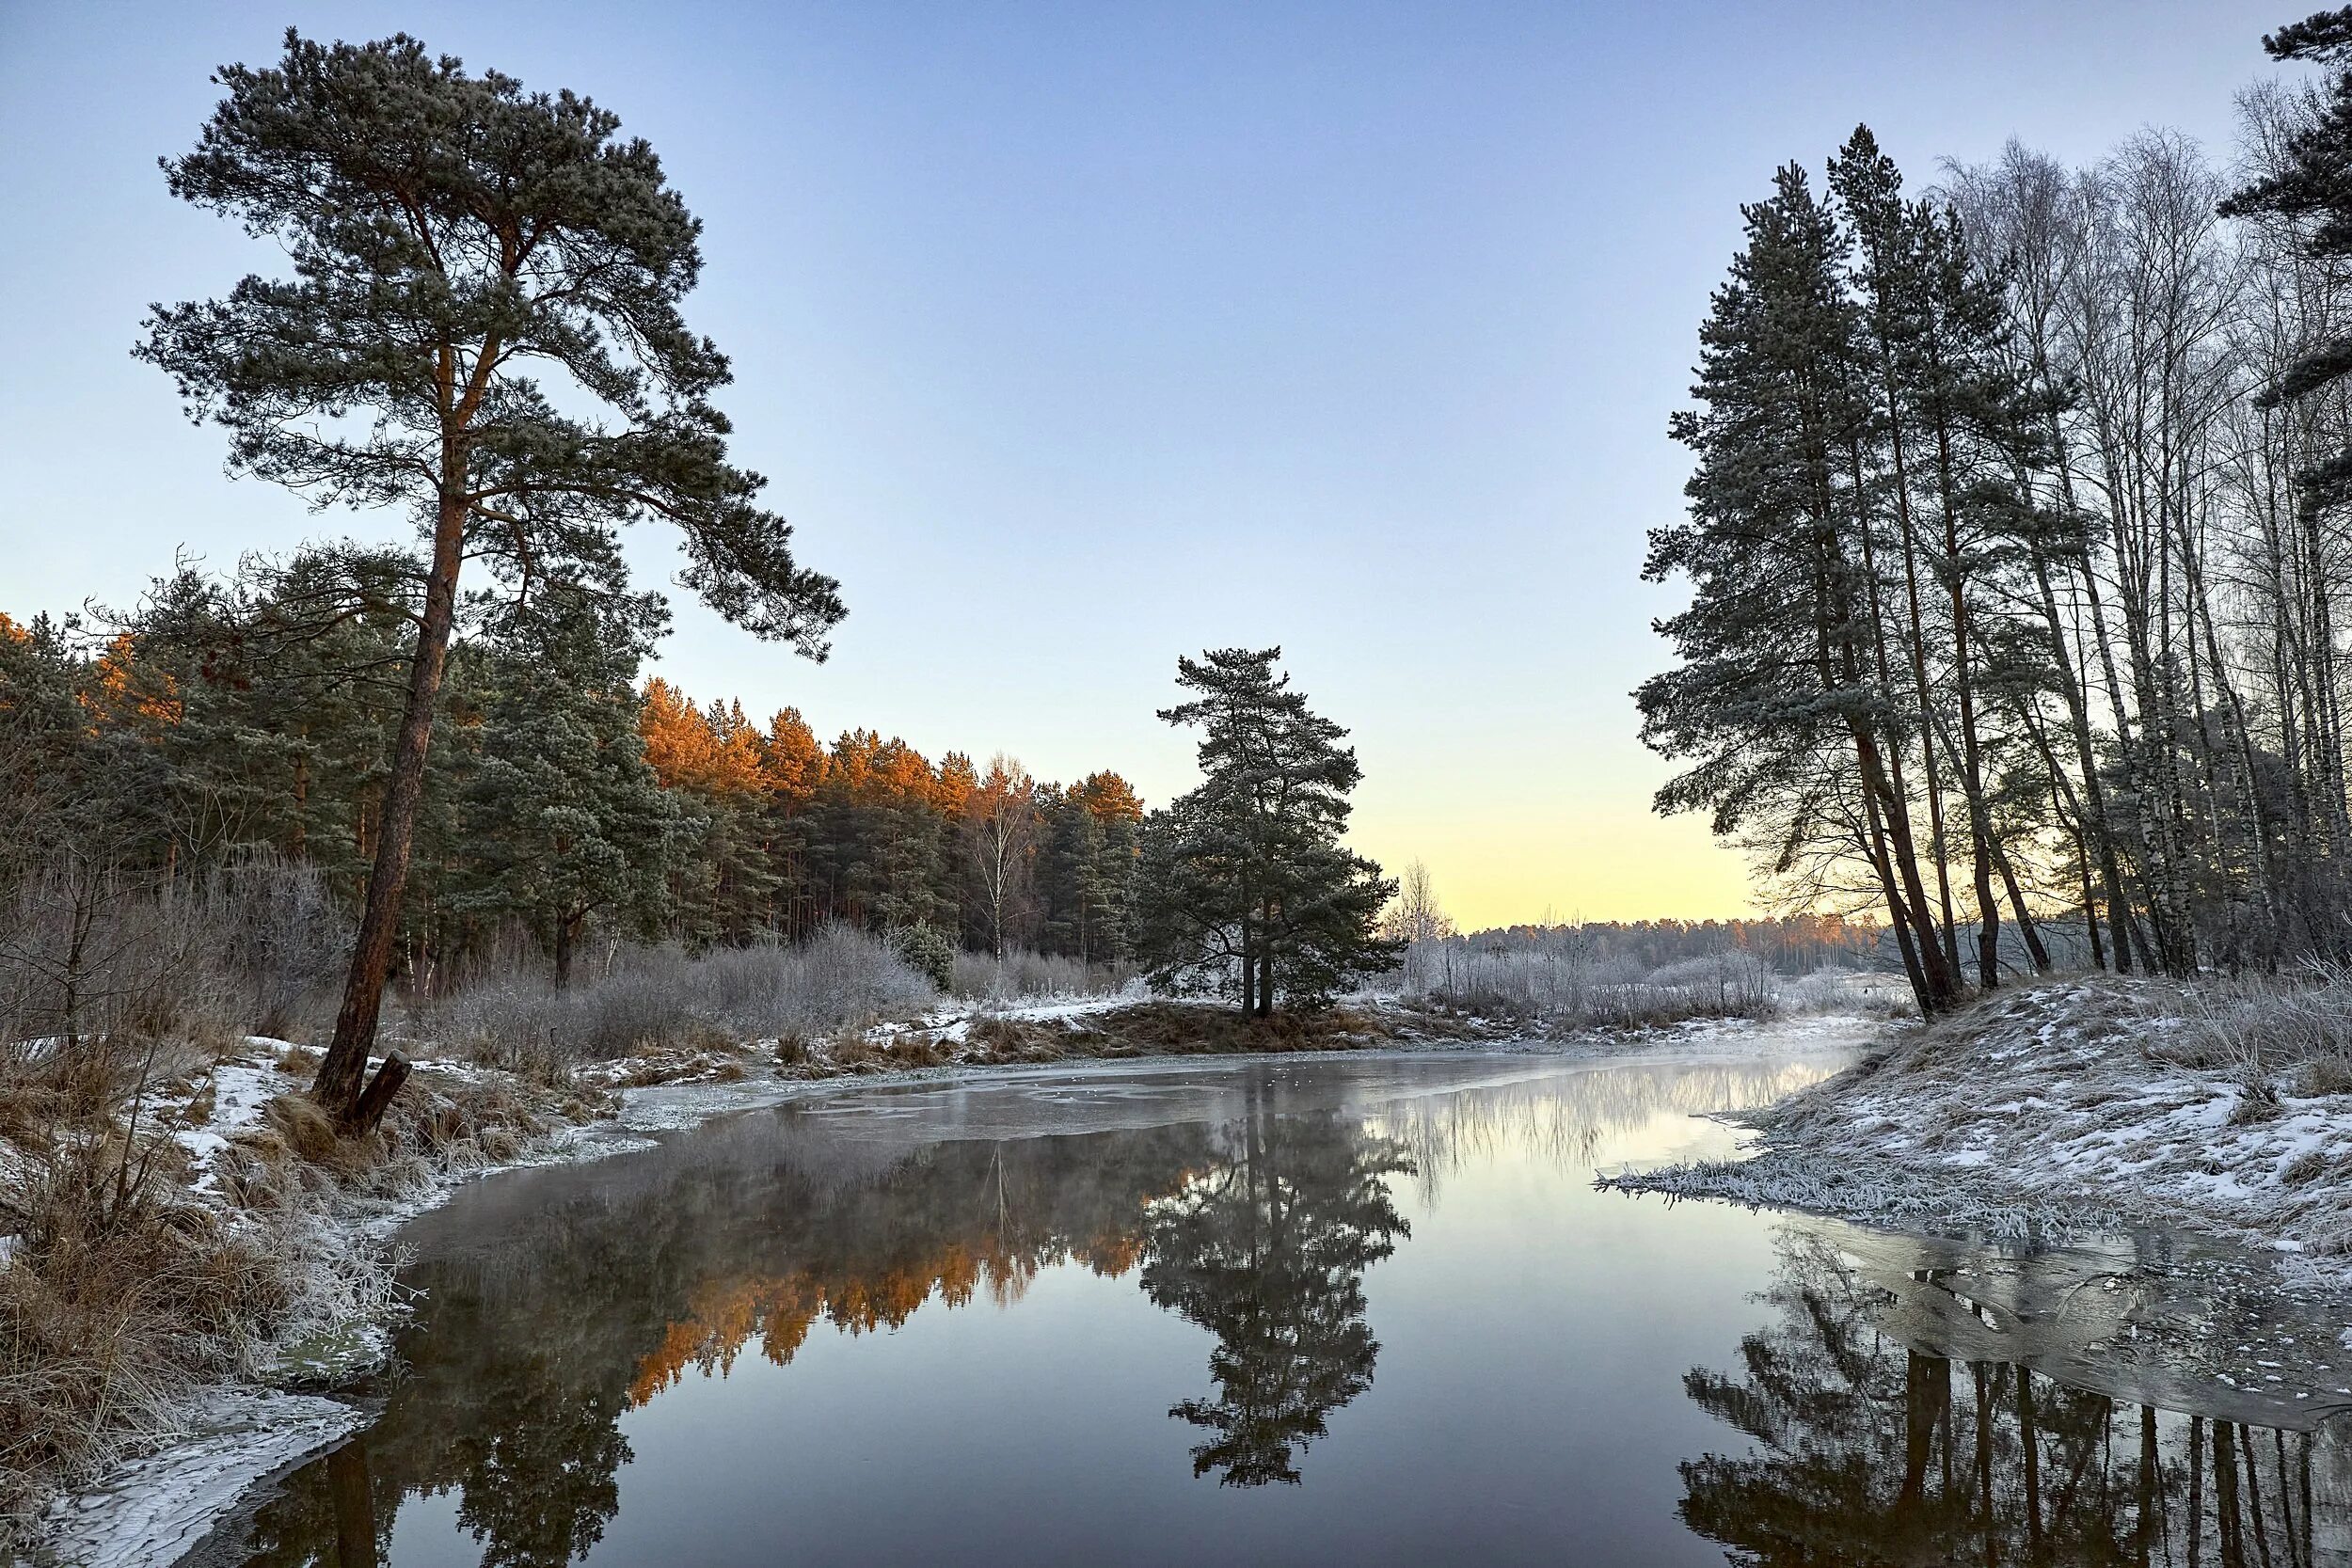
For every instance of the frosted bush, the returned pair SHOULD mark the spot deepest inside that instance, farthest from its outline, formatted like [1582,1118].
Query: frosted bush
[1021,975]
[651,998]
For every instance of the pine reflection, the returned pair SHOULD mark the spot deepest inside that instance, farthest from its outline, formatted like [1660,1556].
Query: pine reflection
[1268,1250]
[1866,1450]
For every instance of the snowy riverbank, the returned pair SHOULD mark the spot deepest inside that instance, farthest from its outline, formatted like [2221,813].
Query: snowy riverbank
[2076,1105]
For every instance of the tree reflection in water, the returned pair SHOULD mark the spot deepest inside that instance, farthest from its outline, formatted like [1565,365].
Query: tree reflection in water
[514,1389]
[1268,1250]
[561,1299]
[1868,1451]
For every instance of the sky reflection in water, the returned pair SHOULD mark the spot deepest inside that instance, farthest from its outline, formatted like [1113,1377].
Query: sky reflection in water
[1332,1309]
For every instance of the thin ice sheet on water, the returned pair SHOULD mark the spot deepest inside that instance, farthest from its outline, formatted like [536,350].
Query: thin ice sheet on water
[153,1509]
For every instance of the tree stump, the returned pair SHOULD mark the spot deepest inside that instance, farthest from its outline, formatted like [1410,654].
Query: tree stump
[377,1097]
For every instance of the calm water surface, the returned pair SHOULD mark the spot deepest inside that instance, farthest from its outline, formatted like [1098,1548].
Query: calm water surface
[1335,1309]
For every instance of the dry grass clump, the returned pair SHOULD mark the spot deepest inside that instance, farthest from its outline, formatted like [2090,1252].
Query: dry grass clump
[2299,1022]
[119,1292]
[2325,1075]
[441,1123]
[107,1318]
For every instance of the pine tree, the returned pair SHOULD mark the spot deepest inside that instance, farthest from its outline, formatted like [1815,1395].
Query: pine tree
[2311,191]
[1244,885]
[453,237]
[1091,832]
[1783,700]
[560,818]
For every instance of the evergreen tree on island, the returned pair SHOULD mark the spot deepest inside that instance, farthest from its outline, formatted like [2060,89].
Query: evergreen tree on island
[1245,889]
[454,240]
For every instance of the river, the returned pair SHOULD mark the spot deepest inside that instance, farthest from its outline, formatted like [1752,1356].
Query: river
[1316,1309]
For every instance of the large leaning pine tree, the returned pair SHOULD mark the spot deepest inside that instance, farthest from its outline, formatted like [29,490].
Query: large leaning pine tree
[482,327]
[1245,885]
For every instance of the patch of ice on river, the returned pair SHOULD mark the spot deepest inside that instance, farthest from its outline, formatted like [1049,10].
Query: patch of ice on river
[153,1509]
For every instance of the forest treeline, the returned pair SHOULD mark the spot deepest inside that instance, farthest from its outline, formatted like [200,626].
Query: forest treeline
[223,720]
[2017,542]
[1789,944]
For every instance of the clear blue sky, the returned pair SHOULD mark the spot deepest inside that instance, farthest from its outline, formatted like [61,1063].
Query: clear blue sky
[1076,337]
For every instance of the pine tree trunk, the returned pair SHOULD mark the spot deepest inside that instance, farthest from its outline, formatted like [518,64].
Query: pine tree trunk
[1901,917]
[343,1073]
[1963,686]
[564,926]
[1931,776]
[1249,970]
[2026,928]
[1942,982]
[1899,797]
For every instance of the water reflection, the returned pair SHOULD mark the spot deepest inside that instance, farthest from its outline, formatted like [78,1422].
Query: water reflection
[1866,1448]
[540,1330]
[1897,1407]
[1268,1250]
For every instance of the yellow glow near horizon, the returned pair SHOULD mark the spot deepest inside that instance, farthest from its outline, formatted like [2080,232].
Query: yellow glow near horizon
[1600,865]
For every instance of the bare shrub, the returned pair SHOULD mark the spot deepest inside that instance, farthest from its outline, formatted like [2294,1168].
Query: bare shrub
[653,999]
[281,936]
[528,1028]
[89,950]
[1020,974]
[841,977]
[1556,980]
[1720,985]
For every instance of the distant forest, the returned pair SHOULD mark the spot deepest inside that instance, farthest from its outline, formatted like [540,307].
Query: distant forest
[1788,944]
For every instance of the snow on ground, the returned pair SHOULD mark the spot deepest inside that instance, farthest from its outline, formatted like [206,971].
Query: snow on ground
[240,1089]
[2062,1106]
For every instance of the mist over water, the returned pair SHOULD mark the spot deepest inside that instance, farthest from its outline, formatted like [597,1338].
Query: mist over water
[1331,1310]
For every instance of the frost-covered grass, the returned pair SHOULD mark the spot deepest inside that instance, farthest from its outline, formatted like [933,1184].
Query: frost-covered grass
[2089,1101]
[652,1001]
[196,1230]
[1536,981]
